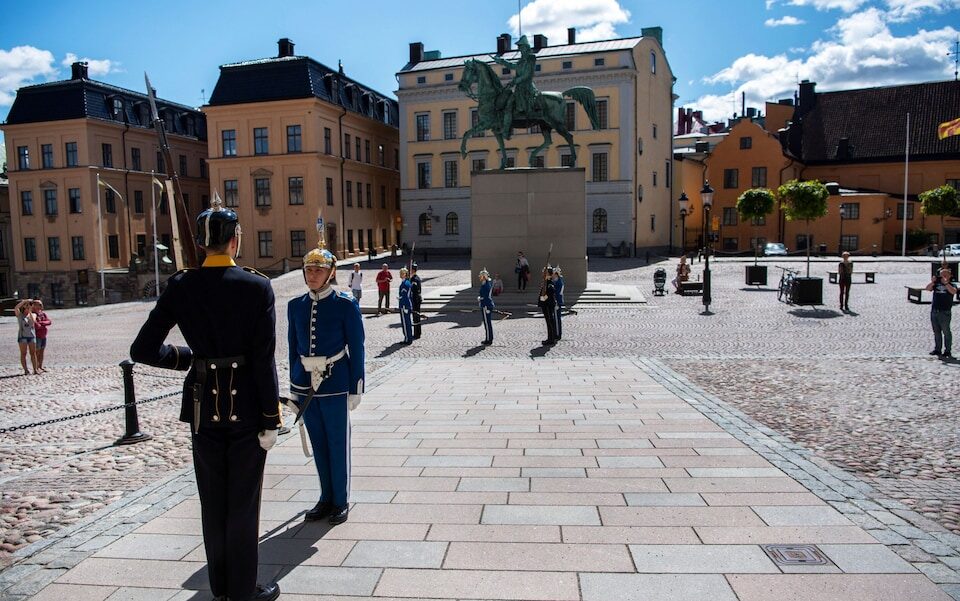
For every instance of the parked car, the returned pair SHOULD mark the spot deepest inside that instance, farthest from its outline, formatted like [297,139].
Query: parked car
[950,250]
[774,249]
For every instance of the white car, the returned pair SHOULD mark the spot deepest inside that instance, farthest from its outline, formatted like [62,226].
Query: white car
[950,250]
[774,249]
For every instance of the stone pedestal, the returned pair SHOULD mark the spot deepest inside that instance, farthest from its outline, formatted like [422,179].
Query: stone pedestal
[527,210]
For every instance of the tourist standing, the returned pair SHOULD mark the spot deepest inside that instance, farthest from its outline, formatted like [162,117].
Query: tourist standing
[384,277]
[230,395]
[26,334]
[522,270]
[43,322]
[943,294]
[845,279]
[356,282]
[485,299]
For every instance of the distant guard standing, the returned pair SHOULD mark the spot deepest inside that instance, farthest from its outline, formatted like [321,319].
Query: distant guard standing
[485,299]
[325,337]
[406,306]
[416,298]
[226,314]
[558,290]
[548,304]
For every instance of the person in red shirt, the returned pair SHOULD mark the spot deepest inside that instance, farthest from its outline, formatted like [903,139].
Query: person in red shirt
[383,287]
[43,322]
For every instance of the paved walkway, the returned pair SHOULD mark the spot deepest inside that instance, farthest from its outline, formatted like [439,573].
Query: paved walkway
[524,479]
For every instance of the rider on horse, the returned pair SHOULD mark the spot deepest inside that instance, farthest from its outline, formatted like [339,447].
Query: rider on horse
[520,103]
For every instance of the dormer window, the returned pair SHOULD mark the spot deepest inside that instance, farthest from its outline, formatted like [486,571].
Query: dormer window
[116,106]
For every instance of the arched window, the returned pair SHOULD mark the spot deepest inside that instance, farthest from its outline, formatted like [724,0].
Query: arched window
[426,226]
[653,62]
[599,221]
[453,224]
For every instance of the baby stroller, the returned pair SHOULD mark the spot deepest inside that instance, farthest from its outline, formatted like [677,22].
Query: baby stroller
[659,281]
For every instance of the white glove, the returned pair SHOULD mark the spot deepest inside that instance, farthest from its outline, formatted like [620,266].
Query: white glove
[353,401]
[268,438]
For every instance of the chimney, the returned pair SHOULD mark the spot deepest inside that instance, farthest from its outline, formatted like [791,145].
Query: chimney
[78,71]
[539,41]
[751,112]
[340,66]
[571,35]
[416,52]
[808,96]
[504,42]
[285,47]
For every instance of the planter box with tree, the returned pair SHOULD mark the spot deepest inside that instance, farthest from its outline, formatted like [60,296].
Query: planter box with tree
[755,204]
[805,201]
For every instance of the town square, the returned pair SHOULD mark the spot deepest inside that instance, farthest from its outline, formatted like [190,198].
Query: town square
[572,308]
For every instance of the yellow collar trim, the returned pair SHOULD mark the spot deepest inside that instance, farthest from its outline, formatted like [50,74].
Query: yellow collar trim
[219,261]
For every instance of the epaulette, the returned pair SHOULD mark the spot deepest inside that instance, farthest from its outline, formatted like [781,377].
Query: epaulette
[254,271]
[345,296]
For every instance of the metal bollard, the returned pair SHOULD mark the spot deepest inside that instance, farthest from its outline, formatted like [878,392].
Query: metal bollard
[133,434]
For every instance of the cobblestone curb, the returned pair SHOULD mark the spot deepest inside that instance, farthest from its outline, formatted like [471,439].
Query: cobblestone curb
[927,545]
[42,562]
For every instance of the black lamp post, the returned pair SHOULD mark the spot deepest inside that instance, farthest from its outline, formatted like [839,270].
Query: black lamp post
[843,214]
[684,208]
[706,197]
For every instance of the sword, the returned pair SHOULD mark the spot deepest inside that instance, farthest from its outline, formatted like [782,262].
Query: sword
[505,314]
[303,433]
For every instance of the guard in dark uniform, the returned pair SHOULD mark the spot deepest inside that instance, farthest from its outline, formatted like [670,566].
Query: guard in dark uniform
[558,290]
[416,298]
[230,397]
[485,299]
[406,306]
[325,338]
[548,304]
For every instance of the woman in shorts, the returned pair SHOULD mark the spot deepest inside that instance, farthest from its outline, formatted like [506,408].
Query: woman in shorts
[26,333]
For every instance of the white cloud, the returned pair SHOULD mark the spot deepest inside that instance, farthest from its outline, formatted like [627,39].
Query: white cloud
[770,4]
[847,6]
[95,67]
[21,65]
[594,19]
[905,10]
[860,52]
[787,20]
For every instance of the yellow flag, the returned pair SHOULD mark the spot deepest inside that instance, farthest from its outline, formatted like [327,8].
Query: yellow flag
[949,128]
[109,187]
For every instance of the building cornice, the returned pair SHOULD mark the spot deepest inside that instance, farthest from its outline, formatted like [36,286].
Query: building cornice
[547,83]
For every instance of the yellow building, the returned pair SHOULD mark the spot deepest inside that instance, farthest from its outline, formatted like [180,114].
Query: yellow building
[628,160]
[59,137]
[291,141]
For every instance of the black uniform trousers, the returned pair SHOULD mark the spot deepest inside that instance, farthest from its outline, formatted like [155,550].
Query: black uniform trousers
[229,466]
[416,318]
[550,314]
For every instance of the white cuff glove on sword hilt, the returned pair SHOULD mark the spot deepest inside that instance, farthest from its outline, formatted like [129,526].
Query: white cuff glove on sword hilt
[268,438]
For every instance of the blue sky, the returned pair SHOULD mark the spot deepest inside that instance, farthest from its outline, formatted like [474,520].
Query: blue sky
[716,49]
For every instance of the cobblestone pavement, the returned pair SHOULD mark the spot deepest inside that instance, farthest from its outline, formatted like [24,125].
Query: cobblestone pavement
[857,389]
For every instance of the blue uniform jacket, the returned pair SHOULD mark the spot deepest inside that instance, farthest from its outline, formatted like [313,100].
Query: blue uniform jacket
[323,328]
[486,295]
[559,291]
[403,294]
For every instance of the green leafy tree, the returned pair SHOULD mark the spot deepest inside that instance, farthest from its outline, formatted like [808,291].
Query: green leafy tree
[940,201]
[804,201]
[753,205]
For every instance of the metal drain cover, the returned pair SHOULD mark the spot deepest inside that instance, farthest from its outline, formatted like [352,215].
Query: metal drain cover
[796,555]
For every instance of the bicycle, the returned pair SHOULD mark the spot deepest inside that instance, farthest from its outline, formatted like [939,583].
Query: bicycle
[787,276]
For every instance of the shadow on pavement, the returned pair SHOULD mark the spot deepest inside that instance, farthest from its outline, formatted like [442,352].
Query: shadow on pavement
[474,351]
[816,313]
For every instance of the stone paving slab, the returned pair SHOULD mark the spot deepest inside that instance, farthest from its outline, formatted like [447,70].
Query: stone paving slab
[477,525]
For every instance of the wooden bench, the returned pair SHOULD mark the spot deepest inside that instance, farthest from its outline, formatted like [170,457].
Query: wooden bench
[690,288]
[869,277]
[915,295]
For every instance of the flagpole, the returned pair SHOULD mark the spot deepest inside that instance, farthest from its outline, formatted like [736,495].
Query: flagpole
[103,290]
[153,217]
[906,177]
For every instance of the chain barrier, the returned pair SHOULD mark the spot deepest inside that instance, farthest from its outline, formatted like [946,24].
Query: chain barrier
[57,420]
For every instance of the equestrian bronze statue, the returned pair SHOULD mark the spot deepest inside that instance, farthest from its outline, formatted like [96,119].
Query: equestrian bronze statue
[519,104]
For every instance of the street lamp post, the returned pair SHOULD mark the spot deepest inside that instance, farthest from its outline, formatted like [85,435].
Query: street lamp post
[706,197]
[684,208]
[843,214]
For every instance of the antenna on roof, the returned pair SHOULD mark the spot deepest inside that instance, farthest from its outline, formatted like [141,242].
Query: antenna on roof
[203,96]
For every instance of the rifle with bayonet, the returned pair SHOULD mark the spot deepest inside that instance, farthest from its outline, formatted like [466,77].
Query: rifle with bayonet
[185,251]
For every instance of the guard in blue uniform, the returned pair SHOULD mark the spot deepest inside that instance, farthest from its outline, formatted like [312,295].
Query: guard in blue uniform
[485,299]
[406,306]
[558,292]
[325,338]
[548,304]
[230,397]
[416,298]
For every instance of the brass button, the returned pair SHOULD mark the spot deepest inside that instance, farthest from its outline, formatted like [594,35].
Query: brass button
[234,391]
[215,418]
[233,418]
[213,366]
[214,391]
[233,365]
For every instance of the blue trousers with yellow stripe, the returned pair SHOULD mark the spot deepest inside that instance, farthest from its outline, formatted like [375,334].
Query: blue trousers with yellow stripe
[328,424]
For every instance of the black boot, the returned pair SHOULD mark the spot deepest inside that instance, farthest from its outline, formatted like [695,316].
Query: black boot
[321,510]
[339,515]
[266,592]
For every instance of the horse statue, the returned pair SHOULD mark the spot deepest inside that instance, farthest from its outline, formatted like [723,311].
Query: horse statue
[494,110]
